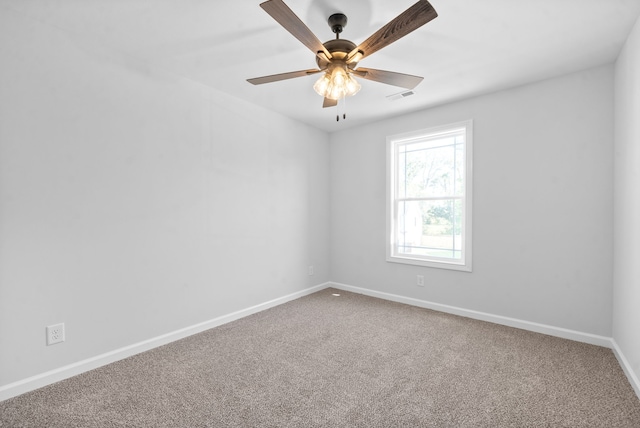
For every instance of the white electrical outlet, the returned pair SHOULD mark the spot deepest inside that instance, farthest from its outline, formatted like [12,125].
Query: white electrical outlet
[310,270]
[55,334]
[420,280]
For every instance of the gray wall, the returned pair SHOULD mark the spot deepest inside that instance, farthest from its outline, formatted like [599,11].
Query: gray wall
[542,226]
[626,302]
[135,203]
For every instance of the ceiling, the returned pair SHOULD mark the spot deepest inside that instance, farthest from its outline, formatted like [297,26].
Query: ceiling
[472,47]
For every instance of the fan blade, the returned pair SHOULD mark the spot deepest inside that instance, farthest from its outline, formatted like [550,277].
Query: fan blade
[409,20]
[328,102]
[389,77]
[282,76]
[285,17]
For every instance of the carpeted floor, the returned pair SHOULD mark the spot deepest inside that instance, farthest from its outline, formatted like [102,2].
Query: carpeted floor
[347,361]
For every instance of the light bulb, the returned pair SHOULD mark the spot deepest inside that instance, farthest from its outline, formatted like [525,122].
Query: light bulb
[352,86]
[338,76]
[336,84]
[336,92]
[321,85]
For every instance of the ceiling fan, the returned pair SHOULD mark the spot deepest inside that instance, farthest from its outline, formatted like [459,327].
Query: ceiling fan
[338,58]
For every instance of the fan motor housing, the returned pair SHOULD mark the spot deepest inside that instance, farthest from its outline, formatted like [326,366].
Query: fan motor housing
[339,49]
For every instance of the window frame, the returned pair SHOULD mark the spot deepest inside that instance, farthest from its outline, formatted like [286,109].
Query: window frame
[393,141]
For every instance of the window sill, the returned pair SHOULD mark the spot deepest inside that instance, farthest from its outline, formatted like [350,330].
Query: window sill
[463,267]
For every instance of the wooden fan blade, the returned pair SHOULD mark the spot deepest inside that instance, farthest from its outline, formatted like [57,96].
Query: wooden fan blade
[409,20]
[389,77]
[328,102]
[282,76]
[290,21]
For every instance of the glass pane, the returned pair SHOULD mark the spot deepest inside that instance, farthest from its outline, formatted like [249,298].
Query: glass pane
[409,227]
[430,228]
[430,169]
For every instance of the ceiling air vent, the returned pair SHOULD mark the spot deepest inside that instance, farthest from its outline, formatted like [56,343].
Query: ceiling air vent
[400,95]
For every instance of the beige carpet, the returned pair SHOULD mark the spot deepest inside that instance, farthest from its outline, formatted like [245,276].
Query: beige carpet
[348,361]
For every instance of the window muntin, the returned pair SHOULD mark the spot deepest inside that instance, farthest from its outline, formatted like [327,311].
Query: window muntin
[429,178]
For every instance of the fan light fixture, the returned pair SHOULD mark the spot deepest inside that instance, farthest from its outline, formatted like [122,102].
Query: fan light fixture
[338,59]
[337,84]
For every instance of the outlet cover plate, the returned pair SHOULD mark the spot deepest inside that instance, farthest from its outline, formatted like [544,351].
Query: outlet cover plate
[55,334]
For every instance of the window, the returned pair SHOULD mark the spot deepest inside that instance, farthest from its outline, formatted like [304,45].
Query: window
[429,197]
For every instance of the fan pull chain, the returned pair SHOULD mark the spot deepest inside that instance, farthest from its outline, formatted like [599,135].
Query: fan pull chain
[344,113]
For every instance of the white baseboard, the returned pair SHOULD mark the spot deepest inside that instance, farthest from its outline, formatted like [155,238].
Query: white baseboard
[483,316]
[29,384]
[47,378]
[626,367]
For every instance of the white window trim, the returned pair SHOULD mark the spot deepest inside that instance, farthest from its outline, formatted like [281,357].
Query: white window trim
[466,263]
